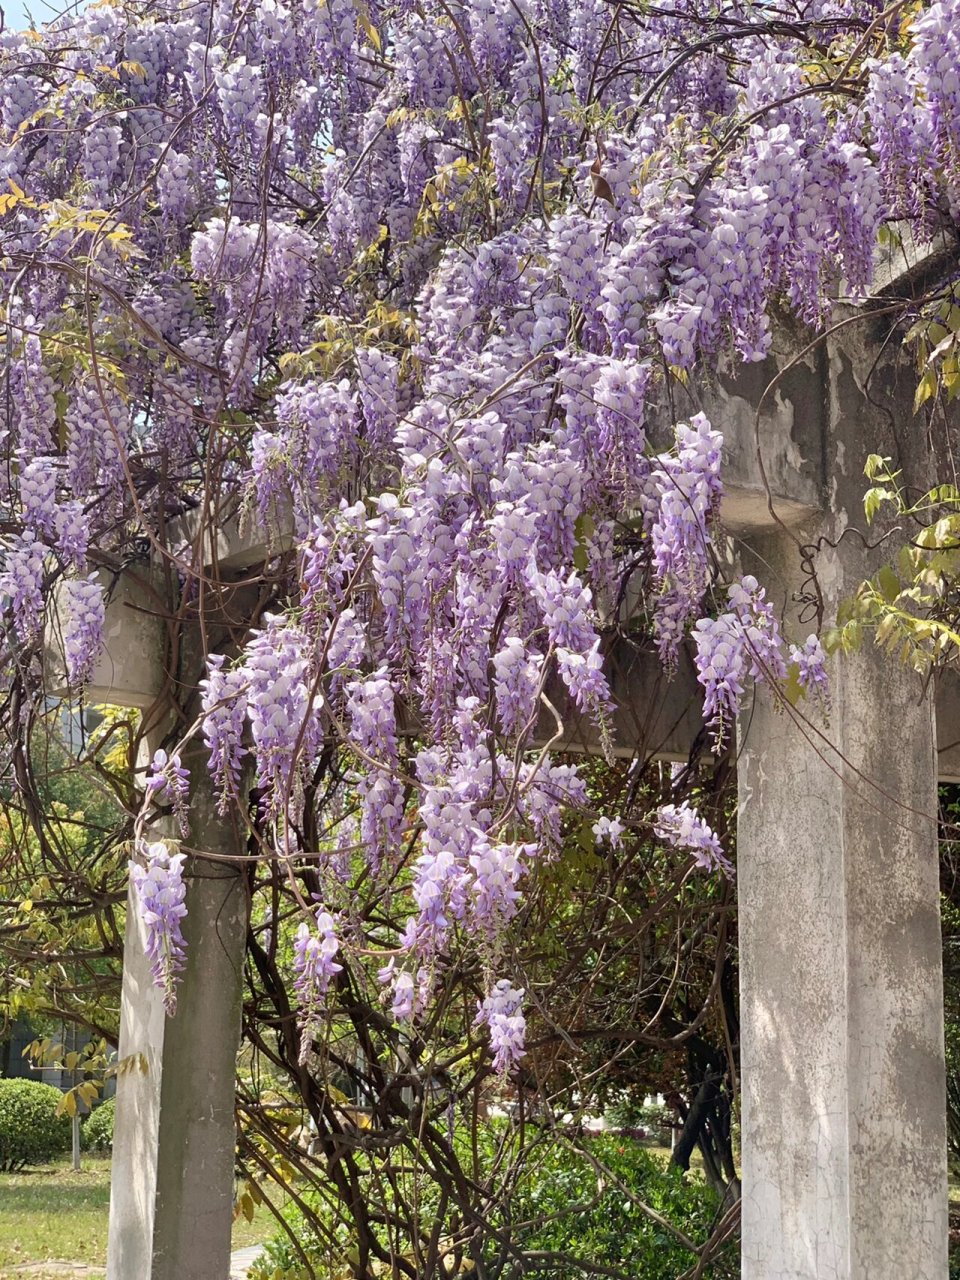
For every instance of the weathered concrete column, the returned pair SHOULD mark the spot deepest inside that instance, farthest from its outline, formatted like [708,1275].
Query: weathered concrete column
[172,1186]
[175,1138]
[841,1013]
[171,1205]
[136,1128]
[197,1138]
[843,1108]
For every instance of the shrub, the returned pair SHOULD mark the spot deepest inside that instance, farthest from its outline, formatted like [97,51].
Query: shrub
[98,1126]
[565,1206]
[30,1130]
[629,1112]
[560,1205]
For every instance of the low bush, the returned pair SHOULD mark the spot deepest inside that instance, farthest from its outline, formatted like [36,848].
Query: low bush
[30,1130]
[586,1206]
[98,1127]
[579,1206]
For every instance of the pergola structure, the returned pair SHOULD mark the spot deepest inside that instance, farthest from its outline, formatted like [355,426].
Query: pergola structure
[842,1060]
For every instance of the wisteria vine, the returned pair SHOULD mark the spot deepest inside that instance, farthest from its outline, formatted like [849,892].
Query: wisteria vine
[400,284]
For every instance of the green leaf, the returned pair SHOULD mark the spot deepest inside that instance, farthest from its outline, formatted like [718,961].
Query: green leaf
[851,637]
[887,634]
[793,689]
[889,584]
[583,531]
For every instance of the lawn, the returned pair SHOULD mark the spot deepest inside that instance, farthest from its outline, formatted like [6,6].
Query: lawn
[51,1214]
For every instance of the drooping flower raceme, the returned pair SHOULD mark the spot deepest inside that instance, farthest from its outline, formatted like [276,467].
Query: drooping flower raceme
[497,870]
[21,583]
[744,643]
[83,622]
[314,949]
[161,894]
[687,490]
[168,782]
[313,953]
[224,702]
[502,1013]
[682,827]
[812,668]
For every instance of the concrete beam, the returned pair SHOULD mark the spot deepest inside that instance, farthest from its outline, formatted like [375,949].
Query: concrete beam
[659,716]
[231,538]
[131,671]
[907,268]
[656,714]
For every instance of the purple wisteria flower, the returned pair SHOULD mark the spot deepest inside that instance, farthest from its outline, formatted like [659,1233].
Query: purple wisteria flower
[459,420]
[681,826]
[224,704]
[313,960]
[497,869]
[812,669]
[610,831]
[687,492]
[21,582]
[83,625]
[745,644]
[405,994]
[502,1013]
[168,782]
[161,894]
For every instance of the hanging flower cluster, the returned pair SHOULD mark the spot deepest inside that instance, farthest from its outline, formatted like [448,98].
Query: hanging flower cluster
[371,287]
[157,876]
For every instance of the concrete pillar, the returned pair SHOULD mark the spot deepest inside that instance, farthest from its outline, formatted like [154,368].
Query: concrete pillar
[843,1124]
[171,1200]
[133,1174]
[196,1152]
[843,1099]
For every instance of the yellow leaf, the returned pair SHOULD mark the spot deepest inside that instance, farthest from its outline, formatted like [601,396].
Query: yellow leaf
[26,905]
[290,360]
[925,389]
[372,33]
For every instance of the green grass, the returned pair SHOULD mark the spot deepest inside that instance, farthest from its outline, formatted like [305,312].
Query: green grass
[51,1214]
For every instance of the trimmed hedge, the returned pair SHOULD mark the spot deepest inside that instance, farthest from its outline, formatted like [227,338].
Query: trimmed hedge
[30,1130]
[98,1127]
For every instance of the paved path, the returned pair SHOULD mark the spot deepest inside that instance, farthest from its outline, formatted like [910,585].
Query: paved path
[242,1260]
